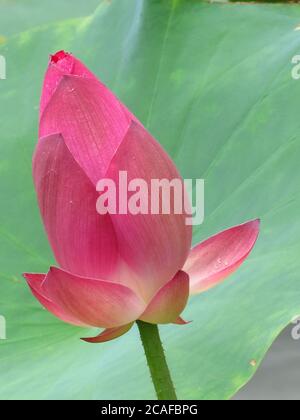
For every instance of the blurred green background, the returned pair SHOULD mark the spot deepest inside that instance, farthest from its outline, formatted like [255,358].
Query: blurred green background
[19,15]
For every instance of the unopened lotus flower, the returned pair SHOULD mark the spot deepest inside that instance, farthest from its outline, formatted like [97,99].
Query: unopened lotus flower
[114,269]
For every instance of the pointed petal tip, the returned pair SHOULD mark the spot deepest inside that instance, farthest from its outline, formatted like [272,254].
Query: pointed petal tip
[181,321]
[27,276]
[258,223]
[213,260]
[253,225]
[108,334]
[255,222]
[169,302]
[88,340]
[58,56]
[34,278]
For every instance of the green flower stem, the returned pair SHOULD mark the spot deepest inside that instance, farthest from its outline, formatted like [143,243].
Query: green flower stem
[157,363]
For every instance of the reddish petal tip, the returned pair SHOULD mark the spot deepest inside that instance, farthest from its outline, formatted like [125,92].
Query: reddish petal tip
[34,278]
[255,226]
[60,55]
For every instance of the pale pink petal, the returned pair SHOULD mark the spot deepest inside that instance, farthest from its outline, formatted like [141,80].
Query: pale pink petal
[35,283]
[210,262]
[169,302]
[91,119]
[155,246]
[94,302]
[83,241]
[109,334]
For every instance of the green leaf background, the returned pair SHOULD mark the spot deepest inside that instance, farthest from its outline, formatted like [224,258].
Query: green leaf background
[213,83]
[20,15]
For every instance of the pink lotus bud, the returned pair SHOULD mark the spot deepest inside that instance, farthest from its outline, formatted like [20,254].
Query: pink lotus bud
[115,268]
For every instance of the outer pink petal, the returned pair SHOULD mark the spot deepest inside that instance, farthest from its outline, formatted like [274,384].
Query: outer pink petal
[155,247]
[91,119]
[109,334]
[35,283]
[169,302]
[94,302]
[83,241]
[210,262]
